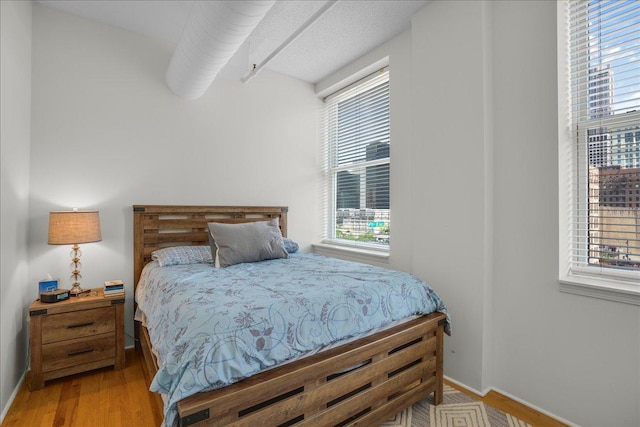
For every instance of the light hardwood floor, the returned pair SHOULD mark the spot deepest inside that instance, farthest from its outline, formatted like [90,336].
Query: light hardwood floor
[101,398]
[109,398]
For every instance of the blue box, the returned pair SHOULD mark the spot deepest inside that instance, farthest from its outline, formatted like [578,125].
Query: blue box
[47,285]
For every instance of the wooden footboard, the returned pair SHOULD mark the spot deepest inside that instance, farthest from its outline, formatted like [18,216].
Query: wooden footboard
[362,383]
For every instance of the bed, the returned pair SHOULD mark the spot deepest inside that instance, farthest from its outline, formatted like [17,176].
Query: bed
[364,380]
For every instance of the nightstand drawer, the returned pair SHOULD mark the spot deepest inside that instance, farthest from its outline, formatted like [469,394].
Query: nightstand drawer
[78,351]
[83,323]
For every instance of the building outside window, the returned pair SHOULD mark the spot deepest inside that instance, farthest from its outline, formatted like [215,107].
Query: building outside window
[357,164]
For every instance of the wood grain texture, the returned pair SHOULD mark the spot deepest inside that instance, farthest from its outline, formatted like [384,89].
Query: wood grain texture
[85,323]
[60,355]
[101,398]
[75,335]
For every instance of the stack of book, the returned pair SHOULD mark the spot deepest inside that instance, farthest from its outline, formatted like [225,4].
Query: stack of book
[113,288]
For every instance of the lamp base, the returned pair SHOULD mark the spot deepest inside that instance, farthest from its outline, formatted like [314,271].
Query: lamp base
[77,290]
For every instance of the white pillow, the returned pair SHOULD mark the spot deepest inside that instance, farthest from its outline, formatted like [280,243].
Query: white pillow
[248,242]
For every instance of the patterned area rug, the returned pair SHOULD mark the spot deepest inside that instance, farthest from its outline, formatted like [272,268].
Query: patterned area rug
[456,410]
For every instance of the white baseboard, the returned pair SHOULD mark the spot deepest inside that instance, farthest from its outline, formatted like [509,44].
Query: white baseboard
[6,408]
[466,387]
[512,397]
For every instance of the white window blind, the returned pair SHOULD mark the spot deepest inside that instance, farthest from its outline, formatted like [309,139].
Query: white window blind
[357,163]
[605,123]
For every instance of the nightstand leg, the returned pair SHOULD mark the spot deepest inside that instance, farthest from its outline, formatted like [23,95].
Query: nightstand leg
[34,382]
[120,358]
[35,379]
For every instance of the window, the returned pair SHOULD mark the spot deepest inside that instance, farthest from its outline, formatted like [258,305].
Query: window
[357,163]
[604,59]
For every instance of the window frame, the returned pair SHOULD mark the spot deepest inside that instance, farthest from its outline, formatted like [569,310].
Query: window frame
[589,280]
[330,169]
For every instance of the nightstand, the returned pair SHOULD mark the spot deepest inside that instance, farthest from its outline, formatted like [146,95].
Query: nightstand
[75,335]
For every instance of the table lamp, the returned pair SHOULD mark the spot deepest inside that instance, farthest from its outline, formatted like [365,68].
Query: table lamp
[72,228]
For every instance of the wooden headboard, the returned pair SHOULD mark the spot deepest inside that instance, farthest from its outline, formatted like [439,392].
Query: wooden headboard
[160,226]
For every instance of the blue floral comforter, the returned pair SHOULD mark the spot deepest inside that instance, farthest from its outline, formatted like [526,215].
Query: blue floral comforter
[215,326]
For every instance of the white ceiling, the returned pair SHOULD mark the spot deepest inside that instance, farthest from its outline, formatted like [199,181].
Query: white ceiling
[345,32]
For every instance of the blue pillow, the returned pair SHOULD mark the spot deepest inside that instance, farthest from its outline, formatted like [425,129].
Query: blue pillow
[290,246]
[175,255]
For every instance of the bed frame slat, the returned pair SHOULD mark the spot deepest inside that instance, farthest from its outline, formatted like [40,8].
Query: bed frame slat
[363,378]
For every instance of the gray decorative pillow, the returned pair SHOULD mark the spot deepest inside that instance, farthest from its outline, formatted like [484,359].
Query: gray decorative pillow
[250,242]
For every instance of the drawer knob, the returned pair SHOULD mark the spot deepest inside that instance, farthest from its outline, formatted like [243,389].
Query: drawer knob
[82,351]
[79,325]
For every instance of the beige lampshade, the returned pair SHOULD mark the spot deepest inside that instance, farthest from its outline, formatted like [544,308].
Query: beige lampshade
[73,227]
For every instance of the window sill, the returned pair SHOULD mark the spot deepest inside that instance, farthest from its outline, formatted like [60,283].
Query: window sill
[351,252]
[627,292]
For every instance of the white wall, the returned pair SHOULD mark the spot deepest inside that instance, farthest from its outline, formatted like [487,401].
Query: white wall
[482,191]
[450,126]
[15,134]
[107,134]
[575,356]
